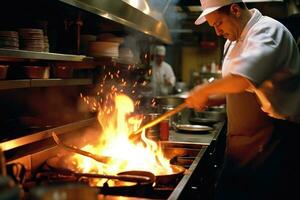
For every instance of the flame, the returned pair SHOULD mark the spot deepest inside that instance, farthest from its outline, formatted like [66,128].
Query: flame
[118,122]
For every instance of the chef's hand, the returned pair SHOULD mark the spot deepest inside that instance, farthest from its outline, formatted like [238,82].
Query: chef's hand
[197,98]
[167,82]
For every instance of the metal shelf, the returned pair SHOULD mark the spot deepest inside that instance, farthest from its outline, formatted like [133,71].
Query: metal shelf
[29,83]
[59,82]
[88,62]
[9,54]
[14,84]
[11,144]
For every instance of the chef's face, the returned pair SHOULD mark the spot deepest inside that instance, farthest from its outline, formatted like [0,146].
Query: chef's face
[227,26]
[159,59]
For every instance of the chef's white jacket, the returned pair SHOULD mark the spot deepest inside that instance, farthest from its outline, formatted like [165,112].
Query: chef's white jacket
[268,56]
[159,74]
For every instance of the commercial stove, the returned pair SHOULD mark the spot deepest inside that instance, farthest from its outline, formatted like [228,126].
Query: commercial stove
[27,164]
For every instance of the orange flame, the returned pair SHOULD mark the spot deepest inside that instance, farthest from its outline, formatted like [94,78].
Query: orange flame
[117,124]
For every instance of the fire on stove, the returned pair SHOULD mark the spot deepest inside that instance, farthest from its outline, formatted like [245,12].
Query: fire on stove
[131,168]
[145,168]
[117,122]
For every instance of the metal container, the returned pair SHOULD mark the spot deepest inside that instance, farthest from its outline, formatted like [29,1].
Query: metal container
[152,132]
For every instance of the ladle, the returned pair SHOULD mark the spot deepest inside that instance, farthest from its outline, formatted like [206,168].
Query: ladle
[102,159]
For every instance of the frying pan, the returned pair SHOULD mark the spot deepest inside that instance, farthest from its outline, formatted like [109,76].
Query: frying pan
[114,184]
[57,163]
[203,121]
[166,179]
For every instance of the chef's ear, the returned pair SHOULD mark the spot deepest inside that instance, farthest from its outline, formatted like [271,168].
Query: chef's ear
[235,10]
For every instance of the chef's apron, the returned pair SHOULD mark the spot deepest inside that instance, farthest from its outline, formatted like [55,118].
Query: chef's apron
[249,129]
[257,164]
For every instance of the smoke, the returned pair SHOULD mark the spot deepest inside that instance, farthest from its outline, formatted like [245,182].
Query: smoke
[167,10]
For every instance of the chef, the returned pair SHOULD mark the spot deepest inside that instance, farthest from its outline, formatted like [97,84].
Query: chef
[163,78]
[261,85]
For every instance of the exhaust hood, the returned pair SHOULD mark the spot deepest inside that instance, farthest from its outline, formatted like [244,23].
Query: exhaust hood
[135,14]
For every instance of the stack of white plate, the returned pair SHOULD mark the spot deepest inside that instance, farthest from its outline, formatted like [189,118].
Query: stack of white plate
[32,39]
[9,40]
[106,49]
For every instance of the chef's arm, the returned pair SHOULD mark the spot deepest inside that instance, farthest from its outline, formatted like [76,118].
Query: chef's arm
[216,100]
[170,80]
[199,96]
[229,84]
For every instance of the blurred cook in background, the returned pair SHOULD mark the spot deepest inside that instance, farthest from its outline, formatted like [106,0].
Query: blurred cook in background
[163,78]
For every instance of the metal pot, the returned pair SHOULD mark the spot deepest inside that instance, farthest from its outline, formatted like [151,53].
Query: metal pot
[169,100]
[167,103]
[213,115]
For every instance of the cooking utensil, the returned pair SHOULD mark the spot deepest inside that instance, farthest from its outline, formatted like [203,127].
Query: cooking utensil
[192,128]
[57,164]
[122,180]
[137,134]
[164,179]
[102,159]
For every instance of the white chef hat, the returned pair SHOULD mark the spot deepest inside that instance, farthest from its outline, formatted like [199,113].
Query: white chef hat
[160,50]
[209,6]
